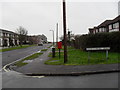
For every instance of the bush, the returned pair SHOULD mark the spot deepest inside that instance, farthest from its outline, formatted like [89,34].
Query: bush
[111,40]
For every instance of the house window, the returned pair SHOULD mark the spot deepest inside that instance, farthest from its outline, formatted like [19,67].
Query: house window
[100,29]
[116,25]
[110,27]
[103,29]
[8,34]
[1,34]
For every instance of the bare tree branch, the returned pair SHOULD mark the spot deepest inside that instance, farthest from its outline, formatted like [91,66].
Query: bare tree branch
[22,32]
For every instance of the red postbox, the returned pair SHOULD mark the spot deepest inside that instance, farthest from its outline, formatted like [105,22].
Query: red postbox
[59,44]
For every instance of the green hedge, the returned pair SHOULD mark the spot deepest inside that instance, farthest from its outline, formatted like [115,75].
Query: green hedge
[98,40]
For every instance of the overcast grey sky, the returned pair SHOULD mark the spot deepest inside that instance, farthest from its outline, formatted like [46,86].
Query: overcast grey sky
[40,17]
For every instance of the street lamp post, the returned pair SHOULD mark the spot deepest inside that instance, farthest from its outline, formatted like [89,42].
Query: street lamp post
[53,36]
[53,48]
[56,33]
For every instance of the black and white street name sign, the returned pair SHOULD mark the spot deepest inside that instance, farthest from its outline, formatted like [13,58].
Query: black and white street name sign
[99,48]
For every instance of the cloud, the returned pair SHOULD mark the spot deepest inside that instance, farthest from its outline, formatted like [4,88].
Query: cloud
[40,17]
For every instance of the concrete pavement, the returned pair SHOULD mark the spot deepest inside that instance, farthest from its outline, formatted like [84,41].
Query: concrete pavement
[37,67]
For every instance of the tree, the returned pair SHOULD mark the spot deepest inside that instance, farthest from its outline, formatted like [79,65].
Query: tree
[22,32]
[70,38]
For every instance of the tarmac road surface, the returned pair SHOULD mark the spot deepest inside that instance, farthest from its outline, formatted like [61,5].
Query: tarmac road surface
[14,80]
[10,56]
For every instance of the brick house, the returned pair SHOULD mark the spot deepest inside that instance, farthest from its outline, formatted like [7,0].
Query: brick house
[8,38]
[107,26]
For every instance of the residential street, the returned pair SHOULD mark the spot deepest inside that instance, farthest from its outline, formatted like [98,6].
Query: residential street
[15,80]
[10,56]
[59,44]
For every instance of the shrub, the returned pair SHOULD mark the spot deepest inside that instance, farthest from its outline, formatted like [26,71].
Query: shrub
[111,39]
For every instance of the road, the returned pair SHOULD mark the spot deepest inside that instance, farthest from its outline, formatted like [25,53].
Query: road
[15,80]
[10,56]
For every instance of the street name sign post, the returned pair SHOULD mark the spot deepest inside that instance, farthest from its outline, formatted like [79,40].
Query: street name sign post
[98,49]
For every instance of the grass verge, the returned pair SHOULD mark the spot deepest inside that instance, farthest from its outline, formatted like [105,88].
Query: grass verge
[78,57]
[14,48]
[44,49]
[22,63]
[49,46]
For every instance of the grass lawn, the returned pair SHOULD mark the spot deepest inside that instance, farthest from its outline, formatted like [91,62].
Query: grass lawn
[17,47]
[21,63]
[78,57]
[44,49]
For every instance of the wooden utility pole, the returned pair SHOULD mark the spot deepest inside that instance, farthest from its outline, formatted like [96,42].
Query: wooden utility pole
[64,28]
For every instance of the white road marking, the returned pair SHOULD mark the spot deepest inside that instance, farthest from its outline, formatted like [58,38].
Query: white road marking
[7,70]
[35,76]
[4,68]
